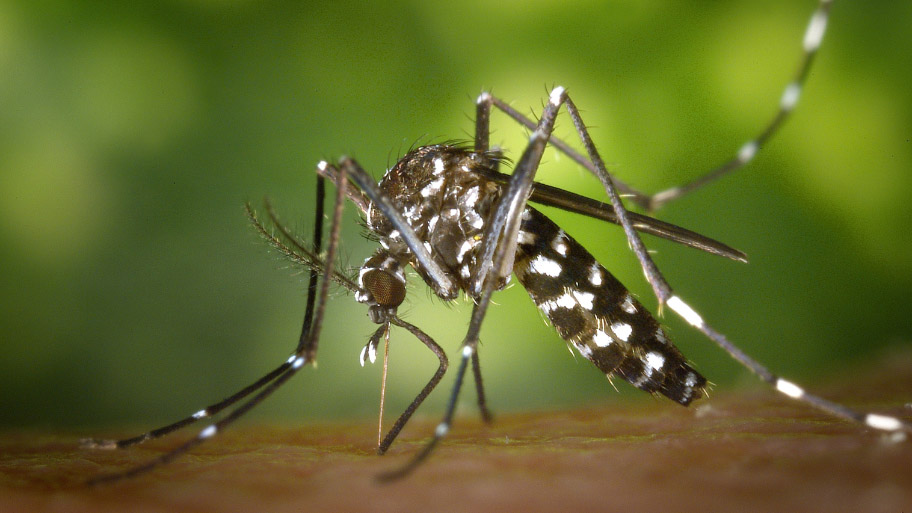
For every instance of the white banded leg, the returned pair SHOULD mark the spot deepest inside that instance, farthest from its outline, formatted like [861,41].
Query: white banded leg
[665,295]
[810,43]
[813,37]
[214,409]
[305,353]
[786,387]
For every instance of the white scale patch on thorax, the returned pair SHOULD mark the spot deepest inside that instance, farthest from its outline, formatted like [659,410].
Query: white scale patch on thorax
[467,246]
[432,188]
[471,196]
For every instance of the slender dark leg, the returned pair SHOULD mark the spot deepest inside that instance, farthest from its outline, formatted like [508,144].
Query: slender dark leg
[482,140]
[317,243]
[313,325]
[435,379]
[440,432]
[215,408]
[483,121]
[479,389]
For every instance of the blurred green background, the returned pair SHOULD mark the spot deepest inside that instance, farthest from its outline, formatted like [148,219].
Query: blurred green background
[131,134]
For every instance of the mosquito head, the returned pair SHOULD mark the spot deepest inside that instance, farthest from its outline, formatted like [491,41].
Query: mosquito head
[381,284]
[387,291]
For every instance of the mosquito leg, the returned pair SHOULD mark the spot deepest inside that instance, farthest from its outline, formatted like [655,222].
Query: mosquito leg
[317,243]
[479,388]
[813,37]
[435,379]
[442,428]
[482,144]
[213,409]
[665,295]
[653,276]
[305,353]
[788,388]
[204,434]
[482,141]
[505,220]
[483,121]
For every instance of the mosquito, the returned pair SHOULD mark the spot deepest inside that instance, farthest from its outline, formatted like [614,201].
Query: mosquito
[465,228]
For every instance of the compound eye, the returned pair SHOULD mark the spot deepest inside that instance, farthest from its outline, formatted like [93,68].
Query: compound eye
[388,291]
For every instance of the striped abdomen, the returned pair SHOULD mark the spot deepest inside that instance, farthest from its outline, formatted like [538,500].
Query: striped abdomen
[593,311]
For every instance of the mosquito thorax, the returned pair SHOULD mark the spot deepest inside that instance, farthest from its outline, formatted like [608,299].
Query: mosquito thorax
[446,202]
